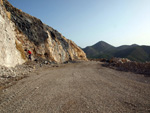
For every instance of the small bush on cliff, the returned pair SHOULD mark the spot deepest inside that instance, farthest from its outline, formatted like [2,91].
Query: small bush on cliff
[19,47]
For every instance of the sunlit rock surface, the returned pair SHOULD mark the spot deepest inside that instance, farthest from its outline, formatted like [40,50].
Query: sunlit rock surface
[20,32]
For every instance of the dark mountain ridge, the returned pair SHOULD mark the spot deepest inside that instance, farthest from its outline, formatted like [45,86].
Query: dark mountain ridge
[98,49]
[133,52]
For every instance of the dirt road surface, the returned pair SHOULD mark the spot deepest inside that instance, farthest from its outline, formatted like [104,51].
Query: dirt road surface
[84,87]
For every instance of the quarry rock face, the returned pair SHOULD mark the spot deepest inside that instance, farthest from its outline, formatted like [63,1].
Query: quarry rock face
[21,32]
[9,55]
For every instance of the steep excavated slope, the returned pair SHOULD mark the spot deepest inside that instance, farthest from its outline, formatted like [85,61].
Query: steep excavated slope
[45,42]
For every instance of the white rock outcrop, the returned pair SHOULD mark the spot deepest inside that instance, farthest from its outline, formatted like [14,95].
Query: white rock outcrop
[9,55]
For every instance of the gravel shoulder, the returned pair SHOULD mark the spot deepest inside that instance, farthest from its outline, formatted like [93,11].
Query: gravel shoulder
[78,87]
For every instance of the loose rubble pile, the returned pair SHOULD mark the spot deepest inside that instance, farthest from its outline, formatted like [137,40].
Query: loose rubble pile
[14,72]
[124,64]
[9,75]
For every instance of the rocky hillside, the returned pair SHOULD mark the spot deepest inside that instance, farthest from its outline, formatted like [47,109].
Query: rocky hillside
[21,32]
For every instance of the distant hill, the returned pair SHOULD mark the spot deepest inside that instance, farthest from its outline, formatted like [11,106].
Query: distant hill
[104,50]
[99,50]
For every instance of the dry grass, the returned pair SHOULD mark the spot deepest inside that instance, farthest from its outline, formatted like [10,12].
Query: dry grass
[19,47]
[1,2]
[8,15]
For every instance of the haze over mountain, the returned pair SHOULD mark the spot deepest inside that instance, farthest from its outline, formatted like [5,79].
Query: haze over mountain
[104,50]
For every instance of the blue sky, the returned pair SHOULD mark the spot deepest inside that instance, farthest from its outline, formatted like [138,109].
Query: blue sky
[118,22]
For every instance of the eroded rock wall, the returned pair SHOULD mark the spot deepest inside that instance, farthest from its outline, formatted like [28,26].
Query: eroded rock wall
[29,33]
[9,54]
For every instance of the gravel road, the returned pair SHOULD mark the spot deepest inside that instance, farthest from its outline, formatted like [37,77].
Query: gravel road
[84,87]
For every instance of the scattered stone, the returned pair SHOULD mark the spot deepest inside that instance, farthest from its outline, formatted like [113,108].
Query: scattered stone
[66,62]
[7,74]
[37,88]
[33,67]
[46,62]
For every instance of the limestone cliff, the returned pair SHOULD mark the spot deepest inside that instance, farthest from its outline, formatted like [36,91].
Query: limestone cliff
[9,55]
[24,32]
